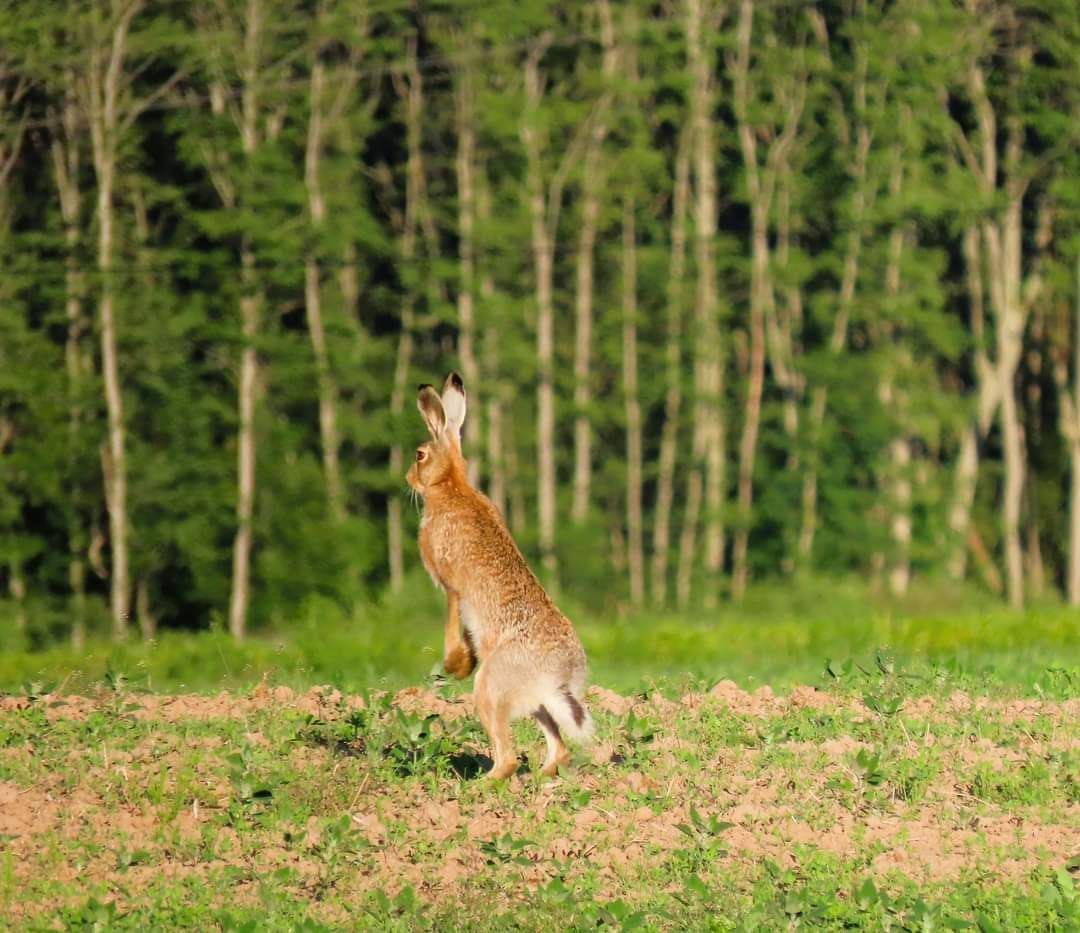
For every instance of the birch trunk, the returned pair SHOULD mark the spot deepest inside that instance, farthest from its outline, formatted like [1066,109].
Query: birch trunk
[1004,262]
[1073,572]
[148,625]
[1001,236]
[327,385]
[66,160]
[1034,566]
[102,87]
[11,93]
[967,474]
[250,301]
[592,183]
[898,479]
[761,185]
[634,547]
[465,112]
[783,328]
[147,283]
[245,449]
[900,523]
[545,317]
[1069,425]
[17,591]
[706,474]
[497,391]
[413,93]
[515,494]
[495,452]
[669,433]
[590,211]
[967,463]
[16,581]
[761,298]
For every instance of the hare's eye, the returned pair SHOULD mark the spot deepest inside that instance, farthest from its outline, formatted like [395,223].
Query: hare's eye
[420,454]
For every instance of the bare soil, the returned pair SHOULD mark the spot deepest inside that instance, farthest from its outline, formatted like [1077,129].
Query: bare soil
[782,799]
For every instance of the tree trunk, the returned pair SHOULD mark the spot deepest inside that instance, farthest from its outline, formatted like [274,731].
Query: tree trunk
[245,449]
[349,281]
[545,320]
[1002,241]
[967,463]
[669,433]
[497,390]
[967,474]
[495,441]
[591,185]
[708,445]
[17,591]
[760,187]
[684,576]
[516,495]
[103,80]
[1010,330]
[65,156]
[1073,581]
[327,385]
[634,548]
[250,301]
[1035,568]
[590,211]
[413,93]
[147,620]
[898,478]
[783,325]
[900,524]
[1069,425]
[783,328]
[1013,496]
[761,298]
[466,166]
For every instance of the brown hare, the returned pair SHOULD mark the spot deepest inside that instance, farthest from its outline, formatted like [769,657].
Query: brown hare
[530,660]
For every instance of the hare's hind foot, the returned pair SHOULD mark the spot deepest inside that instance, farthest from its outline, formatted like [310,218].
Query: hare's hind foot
[551,768]
[556,751]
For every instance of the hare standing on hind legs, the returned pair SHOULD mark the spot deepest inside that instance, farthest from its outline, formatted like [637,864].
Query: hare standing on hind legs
[531,662]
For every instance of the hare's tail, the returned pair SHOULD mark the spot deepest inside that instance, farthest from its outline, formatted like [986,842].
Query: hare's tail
[564,706]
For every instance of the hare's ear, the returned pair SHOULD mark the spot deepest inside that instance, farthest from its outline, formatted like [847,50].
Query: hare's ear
[454,403]
[431,407]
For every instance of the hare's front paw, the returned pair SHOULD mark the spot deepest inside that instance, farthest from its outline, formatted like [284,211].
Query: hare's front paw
[459,662]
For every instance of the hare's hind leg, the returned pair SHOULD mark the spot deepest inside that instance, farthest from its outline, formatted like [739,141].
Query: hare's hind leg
[556,750]
[493,708]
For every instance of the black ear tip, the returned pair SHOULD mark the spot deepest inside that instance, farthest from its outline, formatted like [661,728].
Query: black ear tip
[455,380]
[424,385]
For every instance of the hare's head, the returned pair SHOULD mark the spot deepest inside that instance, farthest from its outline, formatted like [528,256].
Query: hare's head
[440,458]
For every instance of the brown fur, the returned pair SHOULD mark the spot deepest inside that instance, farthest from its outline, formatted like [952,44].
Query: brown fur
[498,615]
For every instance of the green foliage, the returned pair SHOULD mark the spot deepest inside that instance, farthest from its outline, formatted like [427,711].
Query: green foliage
[214,200]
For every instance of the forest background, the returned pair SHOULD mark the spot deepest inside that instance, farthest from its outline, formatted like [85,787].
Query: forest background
[753,300]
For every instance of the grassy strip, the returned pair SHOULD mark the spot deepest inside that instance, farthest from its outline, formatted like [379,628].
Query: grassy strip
[780,636]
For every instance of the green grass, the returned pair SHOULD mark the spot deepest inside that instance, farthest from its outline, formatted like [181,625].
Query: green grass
[782,634]
[933,783]
[871,807]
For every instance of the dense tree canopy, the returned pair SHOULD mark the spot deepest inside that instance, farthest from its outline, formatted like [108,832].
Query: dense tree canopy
[740,289]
